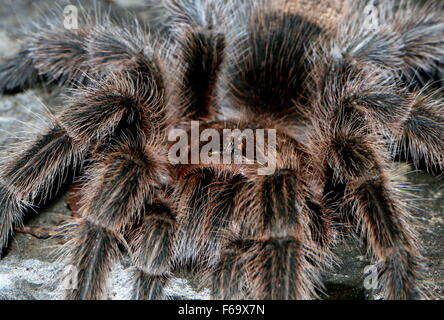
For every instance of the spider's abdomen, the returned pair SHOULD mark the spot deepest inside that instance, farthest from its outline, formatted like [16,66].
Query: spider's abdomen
[268,75]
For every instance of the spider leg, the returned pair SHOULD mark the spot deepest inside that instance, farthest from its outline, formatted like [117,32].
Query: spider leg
[420,27]
[358,167]
[206,203]
[386,227]
[69,57]
[360,109]
[204,206]
[406,46]
[270,251]
[17,73]
[407,37]
[34,172]
[252,230]
[200,48]
[120,184]
[117,116]
[422,139]
[93,114]
[58,56]
[127,168]
[413,40]
[151,245]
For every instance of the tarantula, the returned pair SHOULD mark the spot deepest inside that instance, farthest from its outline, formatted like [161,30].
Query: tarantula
[345,101]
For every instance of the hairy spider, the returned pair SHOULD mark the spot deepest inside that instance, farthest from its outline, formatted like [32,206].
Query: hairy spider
[345,100]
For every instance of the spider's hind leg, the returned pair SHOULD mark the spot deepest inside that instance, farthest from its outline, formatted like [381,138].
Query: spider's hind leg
[17,74]
[407,37]
[70,57]
[55,56]
[199,33]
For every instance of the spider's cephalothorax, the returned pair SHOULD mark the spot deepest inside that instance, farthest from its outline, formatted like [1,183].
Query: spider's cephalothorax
[344,102]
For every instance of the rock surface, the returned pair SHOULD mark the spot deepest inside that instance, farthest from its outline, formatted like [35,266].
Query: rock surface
[29,271]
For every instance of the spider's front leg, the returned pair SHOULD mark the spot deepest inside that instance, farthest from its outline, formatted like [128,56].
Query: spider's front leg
[270,252]
[409,41]
[361,109]
[120,121]
[120,190]
[94,113]
[151,244]
[39,168]
[128,168]
[355,117]
[422,139]
[258,234]
[387,227]
[280,234]
[355,164]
